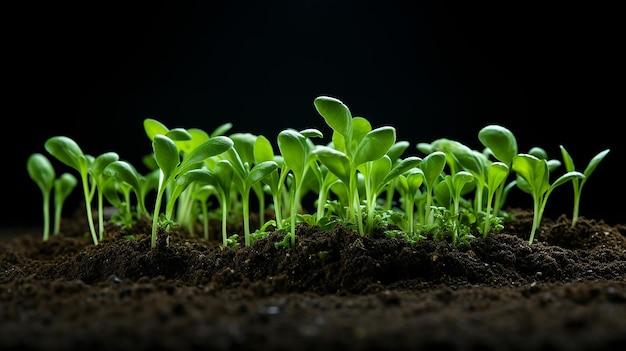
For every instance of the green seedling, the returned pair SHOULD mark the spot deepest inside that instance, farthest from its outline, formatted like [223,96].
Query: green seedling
[502,144]
[63,187]
[496,177]
[456,184]
[296,153]
[378,175]
[395,154]
[533,178]
[42,173]
[245,177]
[171,166]
[432,167]
[354,143]
[68,152]
[263,151]
[579,183]
[408,185]
[96,171]
[124,178]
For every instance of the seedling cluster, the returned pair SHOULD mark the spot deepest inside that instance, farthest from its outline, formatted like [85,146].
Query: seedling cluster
[360,179]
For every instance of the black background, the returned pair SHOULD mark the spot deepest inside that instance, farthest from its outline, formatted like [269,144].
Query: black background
[94,71]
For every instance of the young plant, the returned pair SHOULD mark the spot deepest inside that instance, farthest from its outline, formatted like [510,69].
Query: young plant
[42,173]
[533,178]
[579,183]
[354,143]
[432,167]
[408,185]
[124,177]
[63,187]
[171,166]
[456,183]
[68,152]
[245,177]
[496,177]
[296,153]
[502,144]
[263,151]
[378,174]
[98,178]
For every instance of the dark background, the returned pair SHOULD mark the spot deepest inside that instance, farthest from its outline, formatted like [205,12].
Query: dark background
[93,71]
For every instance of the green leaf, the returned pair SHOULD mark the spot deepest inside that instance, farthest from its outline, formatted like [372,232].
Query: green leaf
[336,114]
[433,165]
[209,148]
[221,129]
[244,143]
[166,154]
[292,147]
[263,150]
[67,151]
[198,136]
[125,172]
[178,134]
[397,149]
[224,174]
[260,171]
[63,187]
[98,165]
[41,171]
[595,161]
[401,167]
[500,141]
[496,174]
[374,145]
[534,171]
[336,161]
[152,127]
[380,168]
[311,133]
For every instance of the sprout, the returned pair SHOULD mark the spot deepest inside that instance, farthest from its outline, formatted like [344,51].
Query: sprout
[42,173]
[576,183]
[170,166]
[63,187]
[533,178]
[354,143]
[68,152]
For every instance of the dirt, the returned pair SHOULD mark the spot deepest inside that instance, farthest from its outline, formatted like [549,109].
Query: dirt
[333,290]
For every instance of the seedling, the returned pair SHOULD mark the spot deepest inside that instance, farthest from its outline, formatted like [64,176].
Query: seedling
[533,178]
[245,177]
[579,183]
[63,187]
[42,173]
[68,152]
[354,143]
[170,166]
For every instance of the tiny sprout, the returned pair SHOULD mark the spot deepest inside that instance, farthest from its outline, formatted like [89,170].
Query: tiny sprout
[533,178]
[63,187]
[170,165]
[578,184]
[42,173]
[68,152]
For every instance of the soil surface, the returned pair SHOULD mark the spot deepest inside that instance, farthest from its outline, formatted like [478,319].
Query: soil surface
[333,290]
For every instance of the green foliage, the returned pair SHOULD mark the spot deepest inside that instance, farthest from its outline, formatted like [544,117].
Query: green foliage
[360,179]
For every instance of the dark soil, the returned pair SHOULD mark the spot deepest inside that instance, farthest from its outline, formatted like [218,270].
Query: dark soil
[333,290]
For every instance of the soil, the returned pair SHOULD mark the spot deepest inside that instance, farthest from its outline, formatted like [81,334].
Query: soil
[333,290]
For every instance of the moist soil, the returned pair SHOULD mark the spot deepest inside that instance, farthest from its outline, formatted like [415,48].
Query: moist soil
[333,290]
